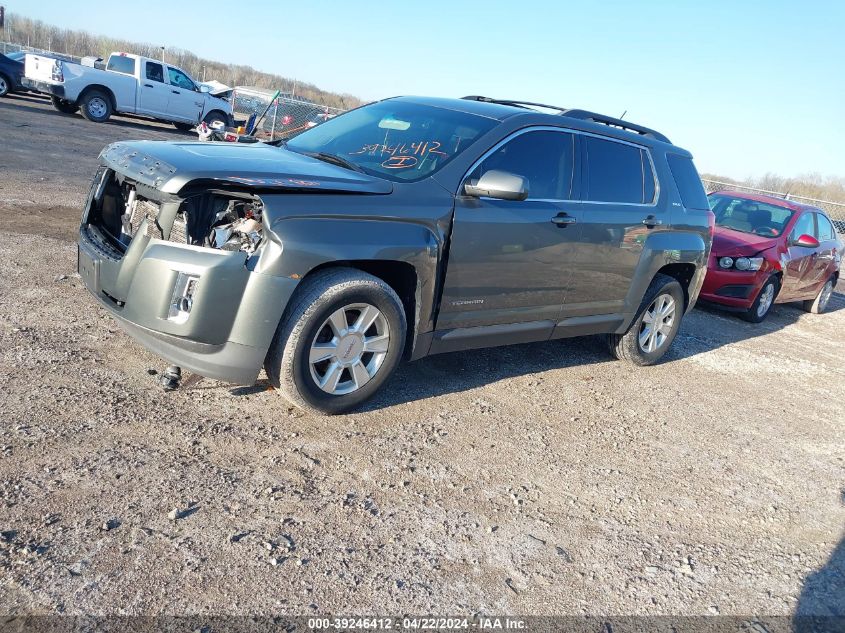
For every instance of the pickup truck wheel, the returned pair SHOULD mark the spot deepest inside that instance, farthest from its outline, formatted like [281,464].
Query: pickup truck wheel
[819,304]
[96,106]
[655,326]
[65,107]
[339,341]
[5,85]
[213,117]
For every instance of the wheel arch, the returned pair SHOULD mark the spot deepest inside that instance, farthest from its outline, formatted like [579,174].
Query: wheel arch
[405,255]
[680,255]
[401,276]
[105,89]
[225,116]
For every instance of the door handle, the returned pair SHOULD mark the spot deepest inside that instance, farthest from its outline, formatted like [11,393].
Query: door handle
[176,92]
[148,86]
[651,221]
[562,219]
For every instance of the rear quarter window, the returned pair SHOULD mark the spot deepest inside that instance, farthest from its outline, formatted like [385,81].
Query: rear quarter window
[120,64]
[688,182]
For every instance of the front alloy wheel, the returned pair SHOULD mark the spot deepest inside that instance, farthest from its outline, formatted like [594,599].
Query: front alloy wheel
[349,348]
[762,305]
[338,342]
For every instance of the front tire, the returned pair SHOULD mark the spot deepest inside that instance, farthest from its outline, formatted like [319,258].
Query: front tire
[213,117]
[762,305]
[96,106]
[65,107]
[5,85]
[338,342]
[820,303]
[655,326]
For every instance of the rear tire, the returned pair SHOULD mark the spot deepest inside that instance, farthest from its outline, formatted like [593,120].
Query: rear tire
[185,127]
[340,339]
[65,107]
[820,303]
[655,326]
[95,106]
[5,85]
[762,305]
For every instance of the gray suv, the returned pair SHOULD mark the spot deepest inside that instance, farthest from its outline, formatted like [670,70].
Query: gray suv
[404,228]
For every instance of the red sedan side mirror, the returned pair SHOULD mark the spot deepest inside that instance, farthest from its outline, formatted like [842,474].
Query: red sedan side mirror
[807,241]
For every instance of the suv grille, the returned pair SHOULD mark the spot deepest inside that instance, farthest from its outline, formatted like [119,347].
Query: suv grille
[150,210]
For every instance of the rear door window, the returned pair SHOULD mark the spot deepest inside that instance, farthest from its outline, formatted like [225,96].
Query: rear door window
[615,172]
[688,181]
[544,157]
[155,72]
[121,64]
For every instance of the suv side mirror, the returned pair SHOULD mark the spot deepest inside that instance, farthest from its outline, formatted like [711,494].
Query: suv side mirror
[807,241]
[498,184]
[204,89]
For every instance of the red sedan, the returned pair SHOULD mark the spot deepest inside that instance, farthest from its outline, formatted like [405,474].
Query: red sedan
[768,250]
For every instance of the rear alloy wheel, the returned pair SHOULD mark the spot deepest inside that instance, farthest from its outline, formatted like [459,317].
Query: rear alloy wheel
[820,303]
[762,305]
[339,341]
[655,326]
[5,85]
[65,107]
[96,106]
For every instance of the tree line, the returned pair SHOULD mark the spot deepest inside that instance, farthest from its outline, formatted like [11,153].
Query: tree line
[828,188]
[38,34]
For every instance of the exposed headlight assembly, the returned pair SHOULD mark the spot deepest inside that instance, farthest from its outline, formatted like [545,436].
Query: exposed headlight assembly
[726,262]
[748,263]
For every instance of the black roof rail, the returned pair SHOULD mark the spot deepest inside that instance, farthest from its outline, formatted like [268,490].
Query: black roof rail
[586,115]
[583,115]
[510,102]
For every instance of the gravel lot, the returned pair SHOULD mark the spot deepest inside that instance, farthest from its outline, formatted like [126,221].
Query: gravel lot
[535,479]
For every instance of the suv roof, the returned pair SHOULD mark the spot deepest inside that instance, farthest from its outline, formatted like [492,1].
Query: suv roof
[502,109]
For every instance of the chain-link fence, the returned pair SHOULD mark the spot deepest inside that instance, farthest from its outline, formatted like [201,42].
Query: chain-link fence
[284,115]
[8,47]
[835,210]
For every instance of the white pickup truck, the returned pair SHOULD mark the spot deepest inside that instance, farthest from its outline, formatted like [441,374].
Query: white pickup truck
[129,84]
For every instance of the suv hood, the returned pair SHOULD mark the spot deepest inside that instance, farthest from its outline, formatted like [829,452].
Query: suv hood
[169,167]
[730,243]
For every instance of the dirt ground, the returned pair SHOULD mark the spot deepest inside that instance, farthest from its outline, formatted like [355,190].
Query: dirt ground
[534,479]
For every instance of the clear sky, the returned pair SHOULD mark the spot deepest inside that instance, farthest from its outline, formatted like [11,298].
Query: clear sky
[747,86]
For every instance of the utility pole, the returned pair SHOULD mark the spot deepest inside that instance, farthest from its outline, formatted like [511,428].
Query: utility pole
[162,54]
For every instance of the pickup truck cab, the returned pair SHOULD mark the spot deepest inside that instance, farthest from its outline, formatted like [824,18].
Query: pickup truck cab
[128,84]
[407,227]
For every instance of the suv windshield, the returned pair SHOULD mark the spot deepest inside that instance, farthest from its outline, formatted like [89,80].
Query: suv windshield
[396,140]
[749,216]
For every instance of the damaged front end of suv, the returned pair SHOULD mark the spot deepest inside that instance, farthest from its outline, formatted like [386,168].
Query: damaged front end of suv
[182,263]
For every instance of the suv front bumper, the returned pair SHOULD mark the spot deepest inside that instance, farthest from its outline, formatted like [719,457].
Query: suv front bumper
[234,314]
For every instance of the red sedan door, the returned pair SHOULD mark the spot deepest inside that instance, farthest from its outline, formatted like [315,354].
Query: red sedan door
[826,259]
[800,266]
